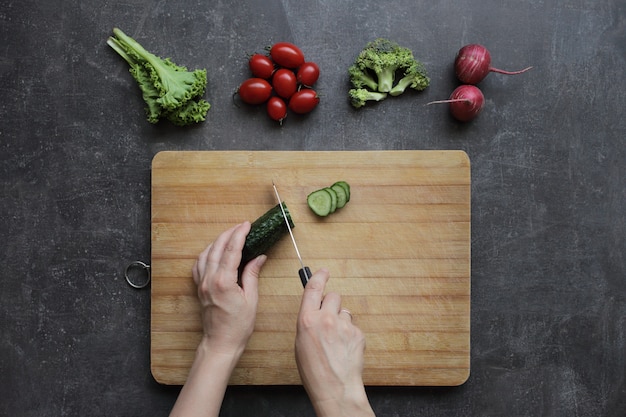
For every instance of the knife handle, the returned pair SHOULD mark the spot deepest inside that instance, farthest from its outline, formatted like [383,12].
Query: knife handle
[305,274]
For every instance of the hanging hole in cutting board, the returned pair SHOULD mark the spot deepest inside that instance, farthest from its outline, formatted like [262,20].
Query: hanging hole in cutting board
[137,274]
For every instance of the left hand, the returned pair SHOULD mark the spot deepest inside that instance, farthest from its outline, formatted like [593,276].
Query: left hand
[228,310]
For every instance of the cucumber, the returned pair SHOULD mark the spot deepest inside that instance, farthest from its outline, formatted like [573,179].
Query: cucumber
[333,199]
[320,201]
[265,231]
[328,199]
[341,195]
[346,188]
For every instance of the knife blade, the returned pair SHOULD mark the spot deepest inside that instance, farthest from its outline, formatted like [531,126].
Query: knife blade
[304,272]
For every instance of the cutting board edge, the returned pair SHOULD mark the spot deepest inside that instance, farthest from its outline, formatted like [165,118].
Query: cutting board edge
[462,379]
[163,154]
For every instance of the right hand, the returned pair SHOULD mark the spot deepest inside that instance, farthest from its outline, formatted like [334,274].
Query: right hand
[329,353]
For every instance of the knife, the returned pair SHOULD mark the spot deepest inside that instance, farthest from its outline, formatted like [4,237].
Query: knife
[304,272]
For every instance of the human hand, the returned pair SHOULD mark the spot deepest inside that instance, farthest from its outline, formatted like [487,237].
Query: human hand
[329,353]
[228,313]
[228,310]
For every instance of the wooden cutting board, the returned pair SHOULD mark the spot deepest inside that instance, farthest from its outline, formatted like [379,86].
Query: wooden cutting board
[398,252]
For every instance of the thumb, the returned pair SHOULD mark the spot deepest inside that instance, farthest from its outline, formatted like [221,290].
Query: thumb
[314,291]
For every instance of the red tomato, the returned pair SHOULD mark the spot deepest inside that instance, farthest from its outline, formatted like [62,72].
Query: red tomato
[261,66]
[308,73]
[255,91]
[284,82]
[277,109]
[303,101]
[287,55]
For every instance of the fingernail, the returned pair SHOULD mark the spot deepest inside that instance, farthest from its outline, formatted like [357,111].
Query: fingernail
[260,260]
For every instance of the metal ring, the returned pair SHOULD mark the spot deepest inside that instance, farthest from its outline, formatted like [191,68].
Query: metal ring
[137,264]
[345,310]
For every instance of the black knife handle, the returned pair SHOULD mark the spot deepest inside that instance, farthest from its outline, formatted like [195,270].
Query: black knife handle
[305,274]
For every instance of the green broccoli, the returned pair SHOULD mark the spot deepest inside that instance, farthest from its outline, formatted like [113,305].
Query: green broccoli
[359,96]
[414,77]
[361,79]
[385,58]
[169,90]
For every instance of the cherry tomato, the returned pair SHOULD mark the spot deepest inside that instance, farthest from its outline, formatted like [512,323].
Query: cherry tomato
[303,101]
[308,73]
[277,109]
[287,55]
[284,82]
[261,66]
[255,91]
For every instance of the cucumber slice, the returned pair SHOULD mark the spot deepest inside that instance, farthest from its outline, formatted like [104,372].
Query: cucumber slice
[341,195]
[320,202]
[328,199]
[346,188]
[333,199]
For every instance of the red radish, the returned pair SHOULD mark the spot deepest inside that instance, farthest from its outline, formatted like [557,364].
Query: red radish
[473,63]
[466,101]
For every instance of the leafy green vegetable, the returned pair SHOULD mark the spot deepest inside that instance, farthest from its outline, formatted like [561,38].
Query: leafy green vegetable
[169,90]
[384,66]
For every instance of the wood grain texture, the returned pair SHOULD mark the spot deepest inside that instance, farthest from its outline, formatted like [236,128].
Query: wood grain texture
[399,254]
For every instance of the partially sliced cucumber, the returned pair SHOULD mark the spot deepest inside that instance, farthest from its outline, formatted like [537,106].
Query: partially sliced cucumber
[341,195]
[320,202]
[265,232]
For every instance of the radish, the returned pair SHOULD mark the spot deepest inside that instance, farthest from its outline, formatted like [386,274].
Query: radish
[466,101]
[473,63]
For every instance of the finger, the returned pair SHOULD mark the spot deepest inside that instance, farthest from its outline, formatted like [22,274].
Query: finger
[314,291]
[250,276]
[332,303]
[231,256]
[200,265]
[217,249]
[195,273]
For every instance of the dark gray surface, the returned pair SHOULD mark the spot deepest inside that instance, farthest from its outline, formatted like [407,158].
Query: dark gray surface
[548,194]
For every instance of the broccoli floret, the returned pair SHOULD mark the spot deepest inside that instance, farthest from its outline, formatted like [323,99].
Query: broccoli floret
[360,96]
[385,58]
[169,90]
[414,77]
[361,79]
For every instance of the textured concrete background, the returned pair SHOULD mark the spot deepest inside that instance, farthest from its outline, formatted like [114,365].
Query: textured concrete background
[548,192]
